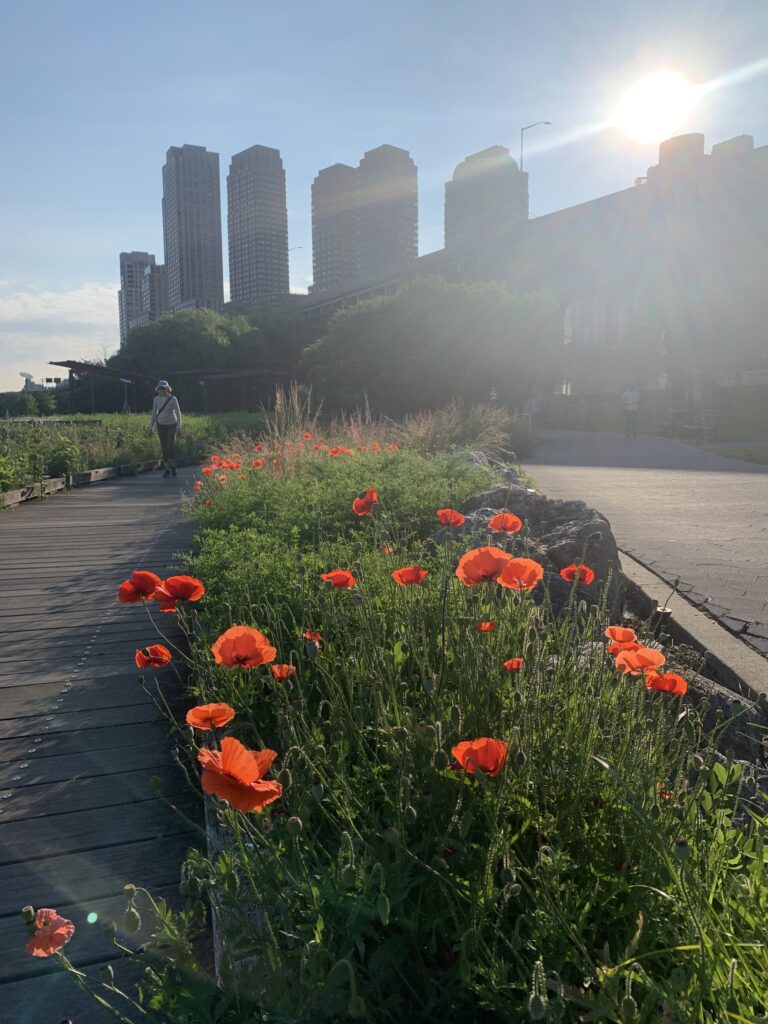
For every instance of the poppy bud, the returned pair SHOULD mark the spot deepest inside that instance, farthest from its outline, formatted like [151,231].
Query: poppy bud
[132,920]
[682,850]
[285,778]
[410,814]
[508,875]
[320,750]
[28,913]
[466,823]
[655,811]
[294,825]
[392,836]
[537,1006]
[514,889]
[348,876]
[400,733]
[428,734]
[356,1008]
[520,758]
[628,1009]
[440,760]
[317,791]
[428,684]
[456,718]
[382,908]
[301,569]
[129,891]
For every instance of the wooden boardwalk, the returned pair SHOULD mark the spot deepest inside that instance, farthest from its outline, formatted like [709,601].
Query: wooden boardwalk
[80,739]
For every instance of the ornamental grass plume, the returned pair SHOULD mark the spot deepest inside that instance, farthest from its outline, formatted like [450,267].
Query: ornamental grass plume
[409,575]
[341,579]
[210,716]
[243,647]
[482,565]
[486,754]
[578,574]
[505,522]
[236,775]
[50,932]
[521,574]
[154,656]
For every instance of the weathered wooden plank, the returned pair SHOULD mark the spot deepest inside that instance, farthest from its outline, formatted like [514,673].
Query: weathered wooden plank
[52,998]
[64,721]
[36,770]
[36,698]
[17,748]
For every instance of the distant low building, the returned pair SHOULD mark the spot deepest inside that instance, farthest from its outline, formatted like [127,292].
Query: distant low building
[487,193]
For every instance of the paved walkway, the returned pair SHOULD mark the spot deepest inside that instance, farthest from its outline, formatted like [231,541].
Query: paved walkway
[79,737]
[686,514]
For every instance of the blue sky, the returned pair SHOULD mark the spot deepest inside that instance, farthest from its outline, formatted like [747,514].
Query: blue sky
[95,92]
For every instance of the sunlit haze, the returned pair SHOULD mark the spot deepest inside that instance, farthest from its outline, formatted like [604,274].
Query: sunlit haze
[656,107]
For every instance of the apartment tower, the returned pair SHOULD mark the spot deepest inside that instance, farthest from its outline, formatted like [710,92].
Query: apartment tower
[192,228]
[487,193]
[364,218]
[257,218]
[132,267]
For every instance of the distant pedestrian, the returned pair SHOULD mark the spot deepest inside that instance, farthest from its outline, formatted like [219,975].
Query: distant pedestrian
[631,402]
[166,415]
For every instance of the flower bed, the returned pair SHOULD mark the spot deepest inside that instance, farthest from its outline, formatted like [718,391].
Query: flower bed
[434,799]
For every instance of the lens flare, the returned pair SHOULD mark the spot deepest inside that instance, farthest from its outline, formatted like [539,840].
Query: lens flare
[656,107]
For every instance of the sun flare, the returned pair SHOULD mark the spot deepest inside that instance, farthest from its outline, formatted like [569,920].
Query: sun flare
[656,107]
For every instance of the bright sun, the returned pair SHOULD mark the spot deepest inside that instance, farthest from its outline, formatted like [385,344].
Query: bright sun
[656,107]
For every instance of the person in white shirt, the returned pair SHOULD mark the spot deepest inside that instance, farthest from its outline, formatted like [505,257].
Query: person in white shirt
[631,402]
[166,415]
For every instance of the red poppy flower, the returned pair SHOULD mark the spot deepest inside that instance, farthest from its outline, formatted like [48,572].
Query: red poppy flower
[621,634]
[481,565]
[513,664]
[154,656]
[283,672]
[258,447]
[207,470]
[670,682]
[521,574]
[392,447]
[486,627]
[209,716]
[52,932]
[362,448]
[633,645]
[389,550]
[243,647]
[409,574]
[208,501]
[341,579]
[578,574]
[485,753]
[257,463]
[363,503]
[375,447]
[177,588]
[236,775]
[637,662]
[450,517]
[140,586]
[313,639]
[307,436]
[505,522]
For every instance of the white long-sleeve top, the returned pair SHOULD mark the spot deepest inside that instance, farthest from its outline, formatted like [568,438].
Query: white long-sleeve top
[170,414]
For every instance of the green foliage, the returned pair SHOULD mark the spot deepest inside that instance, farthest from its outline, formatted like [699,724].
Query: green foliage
[432,342]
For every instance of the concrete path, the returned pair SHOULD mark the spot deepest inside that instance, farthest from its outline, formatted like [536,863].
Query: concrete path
[80,738]
[688,515]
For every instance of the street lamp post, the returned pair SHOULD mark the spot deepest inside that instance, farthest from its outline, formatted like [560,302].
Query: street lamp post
[125,383]
[522,134]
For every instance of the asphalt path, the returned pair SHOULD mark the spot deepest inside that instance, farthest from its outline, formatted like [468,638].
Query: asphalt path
[691,516]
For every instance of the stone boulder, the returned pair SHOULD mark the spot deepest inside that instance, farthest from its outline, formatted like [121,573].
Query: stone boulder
[556,533]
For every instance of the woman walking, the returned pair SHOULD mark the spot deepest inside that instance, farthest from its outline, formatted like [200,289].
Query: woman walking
[166,414]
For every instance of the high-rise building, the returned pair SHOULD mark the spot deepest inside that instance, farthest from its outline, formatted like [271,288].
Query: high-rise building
[132,267]
[154,295]
[487,193]
[192,228]
[364,218]
[334,226]
[387,210]
[258,226]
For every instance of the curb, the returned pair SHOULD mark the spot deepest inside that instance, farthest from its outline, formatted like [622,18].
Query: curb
[53,485]
[729,661]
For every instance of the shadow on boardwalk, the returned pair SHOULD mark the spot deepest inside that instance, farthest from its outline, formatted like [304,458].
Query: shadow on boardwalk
[79,737]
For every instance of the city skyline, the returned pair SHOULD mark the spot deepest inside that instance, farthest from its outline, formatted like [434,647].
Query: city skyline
[467,80]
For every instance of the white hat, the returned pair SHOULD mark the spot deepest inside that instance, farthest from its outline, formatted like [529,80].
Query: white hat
[162,384]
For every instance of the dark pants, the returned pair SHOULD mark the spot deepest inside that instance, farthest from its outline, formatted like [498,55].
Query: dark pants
[630,418]
[167,435]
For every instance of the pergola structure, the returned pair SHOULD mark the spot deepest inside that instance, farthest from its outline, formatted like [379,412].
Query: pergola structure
[277,373]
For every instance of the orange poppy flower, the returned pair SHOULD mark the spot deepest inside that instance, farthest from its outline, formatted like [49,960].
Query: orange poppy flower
[637,662]
[485,753]
[197,485]
[621,634]
[450,517]
[392,447]
[243,647]
[505,522]
[363,503]
[208,502]
[155,656]
[140,586]
[409,574]
[513,664]
[307,436]
[387,549]
[341,579]
[209,716]
[481,565]
[578,574]
[207,470]
[521,574]
[283,672]
[617,648]
[375,447]
[257,463]
[177,588]
[313,639]
[236,775]
[486,627]
[52,932]
[669,682]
